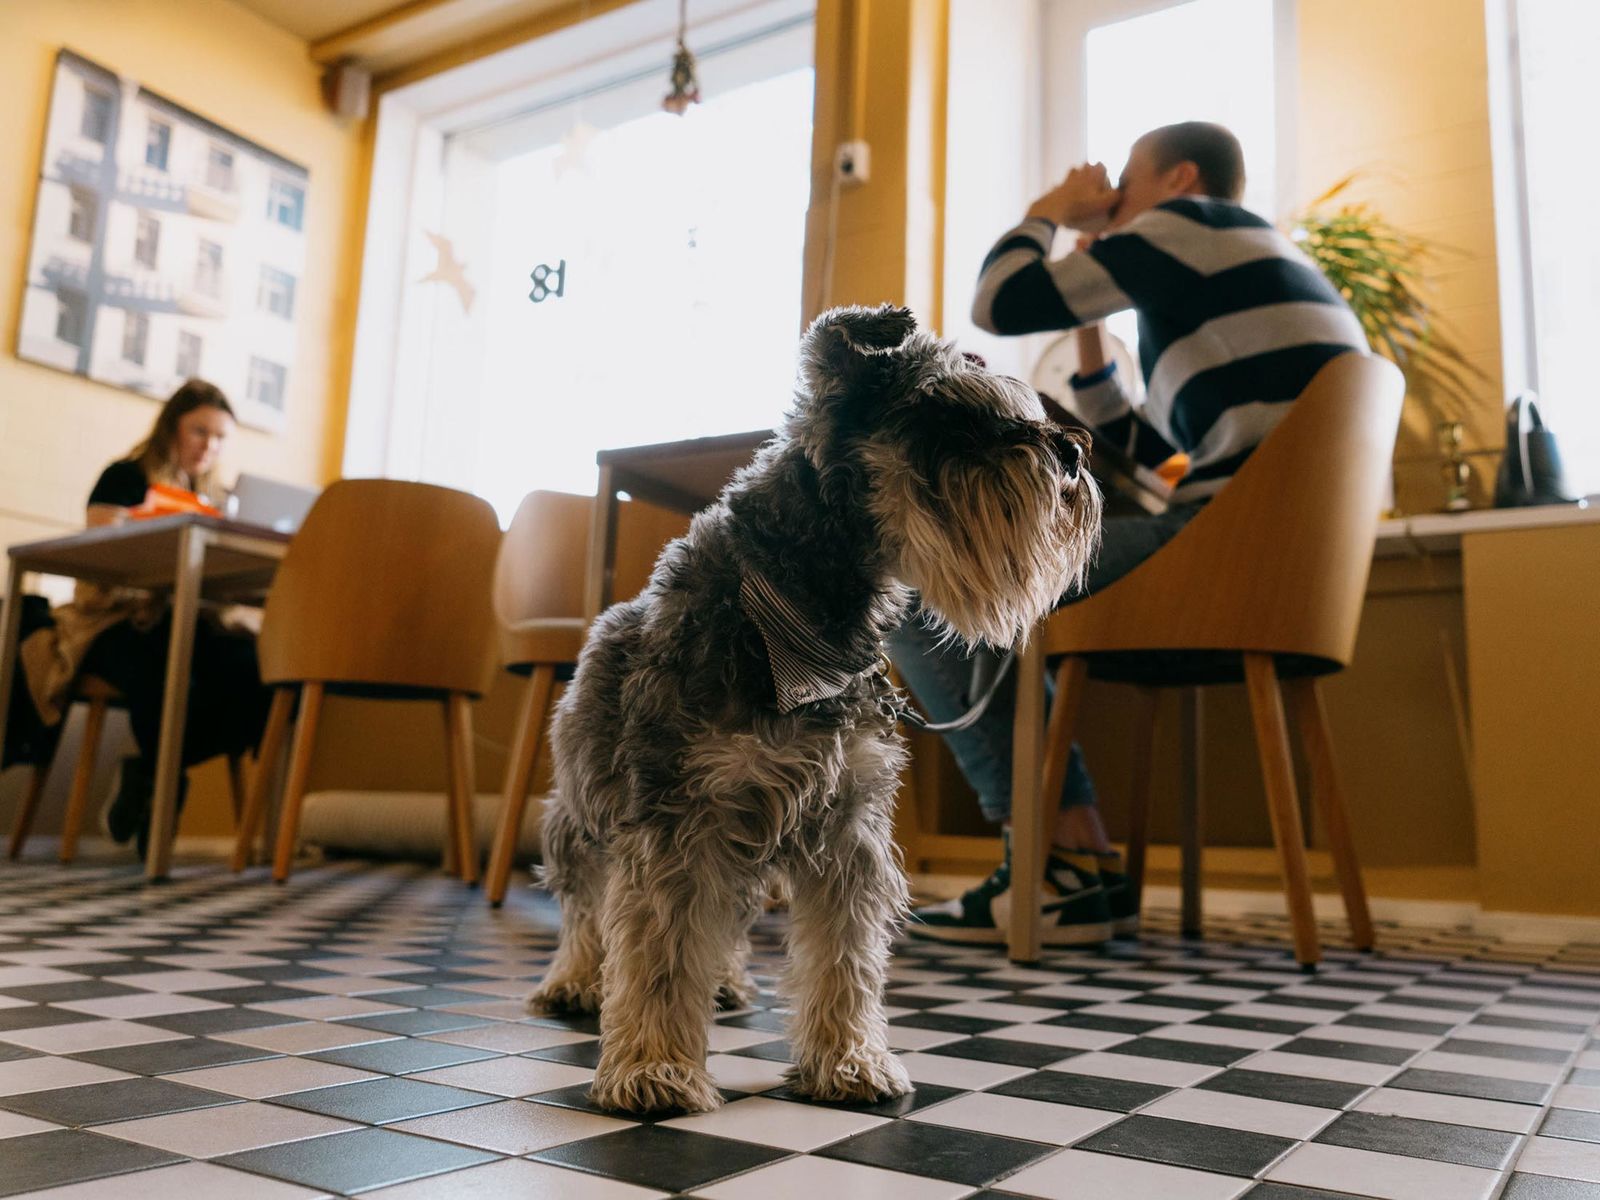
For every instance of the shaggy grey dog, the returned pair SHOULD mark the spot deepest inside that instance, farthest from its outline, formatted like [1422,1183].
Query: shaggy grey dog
[731,728]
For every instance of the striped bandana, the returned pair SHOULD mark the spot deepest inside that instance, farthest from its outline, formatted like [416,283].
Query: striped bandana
[805,666]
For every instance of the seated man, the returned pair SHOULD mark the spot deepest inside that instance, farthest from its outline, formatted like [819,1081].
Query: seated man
[1233,323]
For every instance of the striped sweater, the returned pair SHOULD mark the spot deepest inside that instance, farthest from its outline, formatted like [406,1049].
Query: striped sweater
[1233,323]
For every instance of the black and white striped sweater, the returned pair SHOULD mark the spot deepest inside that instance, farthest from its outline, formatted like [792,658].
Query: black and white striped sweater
[1233,323]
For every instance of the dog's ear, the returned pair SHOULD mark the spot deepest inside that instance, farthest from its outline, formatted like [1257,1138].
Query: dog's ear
[843,340]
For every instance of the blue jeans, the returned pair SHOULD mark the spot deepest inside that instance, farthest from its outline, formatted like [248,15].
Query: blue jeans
[939,675]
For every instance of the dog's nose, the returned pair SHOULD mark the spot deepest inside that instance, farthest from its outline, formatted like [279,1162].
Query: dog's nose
[1070,452]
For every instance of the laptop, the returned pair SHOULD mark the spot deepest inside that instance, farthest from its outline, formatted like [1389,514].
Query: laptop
[271,502]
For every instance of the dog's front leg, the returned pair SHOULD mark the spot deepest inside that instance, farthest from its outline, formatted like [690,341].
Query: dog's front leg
[844,915]
[668,933]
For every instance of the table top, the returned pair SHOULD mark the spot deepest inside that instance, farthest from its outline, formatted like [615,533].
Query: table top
[241,557]
[684,475]
[1408,536]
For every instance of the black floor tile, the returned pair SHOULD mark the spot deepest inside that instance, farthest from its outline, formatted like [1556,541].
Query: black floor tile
[1390,1056]
[219,1020]
[1290,1089]
[778,1051]
[1572,1123]
[957,1155]
[924,1095]
[576,1097]
[587,1054]
[380,1101]
[118,1100]
[1393,1024]
[37,1161]
[417,1022]
[1086,1091]
[1482,1087]
[125,967]
[673,1160]
[1468,1146]
[1003,1050]
[1255,1024]
[1524,1186]
[432,997]
[1187,1144]
[260,993]
[1129,1025]
[1584,1077]
[37,1016]
[1181,1051]
[358,1161]
[1534,1054]
[10,1053]
[402,1056]
[163,1058]
[73,989]
[1288,1191]
[771,1021]
[577,1023]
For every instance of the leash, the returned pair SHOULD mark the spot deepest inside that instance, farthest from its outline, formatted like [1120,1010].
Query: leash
[966,720]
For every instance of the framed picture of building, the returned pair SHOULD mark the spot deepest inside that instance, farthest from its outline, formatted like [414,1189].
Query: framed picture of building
[165,247]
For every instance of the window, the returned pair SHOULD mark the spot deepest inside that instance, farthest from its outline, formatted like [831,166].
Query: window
[96,122]
[83,214]
[1147,63]
[135,336]
[189,348]
[275,292]
[219,169]
[265,385]
[157,143]
[286,203]
[72,318]
[1550,269]
[208,270]
[147,242]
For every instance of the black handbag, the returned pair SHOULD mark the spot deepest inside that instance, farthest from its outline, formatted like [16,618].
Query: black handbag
[1530,472]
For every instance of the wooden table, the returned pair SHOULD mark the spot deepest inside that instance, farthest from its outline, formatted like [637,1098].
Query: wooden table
[189,556]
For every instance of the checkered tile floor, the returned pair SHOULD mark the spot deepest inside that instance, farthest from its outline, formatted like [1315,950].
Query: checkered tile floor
[361,1032]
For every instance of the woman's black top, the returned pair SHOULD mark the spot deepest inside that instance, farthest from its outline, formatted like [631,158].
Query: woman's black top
[122,483]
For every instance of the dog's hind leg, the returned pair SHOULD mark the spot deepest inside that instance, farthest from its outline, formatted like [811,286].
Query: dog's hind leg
[739,988]
[845,909]
[669,928]
[575,870]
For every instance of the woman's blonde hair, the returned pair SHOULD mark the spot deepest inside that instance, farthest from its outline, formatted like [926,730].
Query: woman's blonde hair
[156,453]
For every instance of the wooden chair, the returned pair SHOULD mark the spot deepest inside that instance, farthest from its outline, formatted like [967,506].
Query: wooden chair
[384,594]
[1264,585]
[538,602]
[99,696]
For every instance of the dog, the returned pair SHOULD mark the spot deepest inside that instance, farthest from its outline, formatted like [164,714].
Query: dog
[732,728]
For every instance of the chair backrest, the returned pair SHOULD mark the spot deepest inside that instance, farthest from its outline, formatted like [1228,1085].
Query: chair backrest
[386,586]
[1278,561]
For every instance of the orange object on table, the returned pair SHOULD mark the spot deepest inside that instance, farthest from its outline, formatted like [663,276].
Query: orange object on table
[1173,469]
[163,500]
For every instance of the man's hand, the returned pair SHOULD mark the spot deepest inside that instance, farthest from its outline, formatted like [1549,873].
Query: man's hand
[1082,201]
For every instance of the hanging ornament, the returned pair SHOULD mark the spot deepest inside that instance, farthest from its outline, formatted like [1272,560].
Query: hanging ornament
[685,87]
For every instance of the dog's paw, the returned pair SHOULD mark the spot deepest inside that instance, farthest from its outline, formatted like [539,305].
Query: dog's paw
[555,997]
[654,1087]
[861,1077]
[738,992]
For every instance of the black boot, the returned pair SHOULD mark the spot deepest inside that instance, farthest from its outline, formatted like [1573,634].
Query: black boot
[143,843]
[129,811]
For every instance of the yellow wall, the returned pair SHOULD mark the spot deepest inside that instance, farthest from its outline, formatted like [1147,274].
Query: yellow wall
[56,430]
[1400,92]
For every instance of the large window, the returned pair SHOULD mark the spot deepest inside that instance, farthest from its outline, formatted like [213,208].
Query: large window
[190,346]
[147,241]
[208,269]
[157,144]
[286,203]
[96,120]
[135,336]
[82,212]
[1547,178]
[266,383]
[275,292]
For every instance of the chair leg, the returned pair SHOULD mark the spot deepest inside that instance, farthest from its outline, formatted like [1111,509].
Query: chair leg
[78,800]
[255,805]
[1277,769]
[1305,698]
[1144,731]
[458,757]
[305,738]
[1031,809]
[1191,814]
[1058,741]
[519,774]
[237,789]
[29,808]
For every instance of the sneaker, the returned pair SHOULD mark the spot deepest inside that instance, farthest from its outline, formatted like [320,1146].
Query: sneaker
[1120,895]
[129,808]
[1073,909]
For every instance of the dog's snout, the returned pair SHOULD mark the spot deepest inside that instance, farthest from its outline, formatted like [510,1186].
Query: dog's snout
[1069,450]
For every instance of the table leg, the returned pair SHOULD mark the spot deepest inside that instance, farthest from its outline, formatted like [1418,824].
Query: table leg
[10,627]
[175,701]
[602,547]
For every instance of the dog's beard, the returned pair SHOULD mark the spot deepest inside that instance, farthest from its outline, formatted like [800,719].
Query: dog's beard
[991,548]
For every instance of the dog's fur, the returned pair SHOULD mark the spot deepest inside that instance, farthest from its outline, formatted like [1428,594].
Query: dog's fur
[683,792]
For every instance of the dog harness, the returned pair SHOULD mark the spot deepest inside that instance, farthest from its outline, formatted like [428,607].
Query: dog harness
[806,667]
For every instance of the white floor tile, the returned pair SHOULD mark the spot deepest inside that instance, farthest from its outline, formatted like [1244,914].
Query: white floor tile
[969,1073]
[908,1037]
[1080,1174]
[941,991]
[229,1129]
[269,1077]
[1065,1036]
[1282,1012]
[513,1126]
[1145,1012]
[1111,1065]
[515,1039]
[217,960]
[1568,1095]
[721,1039]
[360,966]
[1210,991]
[1545,1012]
[509,1076]
[779,1123]
[1317,1067]
[1541,1038]
[1497,1068]
[1372,1037]
[1075,991]
[142,1004]
[1025,975]
[988,1010]
[58,957]
[89,1035]
[327,1008]
[513,1177]
[1413,1012]
[811,1178]
[1012,1116]
[182,981]
[1241,1112]
[740,1074]
[305,1037]
[349,985]
[1388,1176]
[1562,1158]
[1316,991]
[16,1125]
[1453,1110]
[182,1179]
[1220,1035]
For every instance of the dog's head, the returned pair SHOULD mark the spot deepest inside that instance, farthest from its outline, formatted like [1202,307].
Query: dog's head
[983,505]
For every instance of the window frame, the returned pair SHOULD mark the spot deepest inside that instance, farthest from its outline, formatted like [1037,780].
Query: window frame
[135,336]
[272,285]
[276,209]
[230,183]
[147,222]
[164,142]
[83,213]
[93,93]
[74,304]
[185,337]
[274,375]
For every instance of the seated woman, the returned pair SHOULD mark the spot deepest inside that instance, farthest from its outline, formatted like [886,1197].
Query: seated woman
[121,637]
